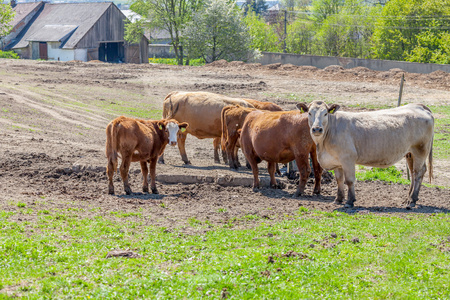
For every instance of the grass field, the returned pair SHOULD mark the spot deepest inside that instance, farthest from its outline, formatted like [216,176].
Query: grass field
[308,255]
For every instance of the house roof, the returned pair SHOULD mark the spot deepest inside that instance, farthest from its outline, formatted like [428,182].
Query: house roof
[57,21]
[22,10]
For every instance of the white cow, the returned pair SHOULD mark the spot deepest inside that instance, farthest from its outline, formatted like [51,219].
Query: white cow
[376,139]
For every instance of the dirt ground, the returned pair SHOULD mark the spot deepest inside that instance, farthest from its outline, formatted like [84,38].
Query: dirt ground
[53,116]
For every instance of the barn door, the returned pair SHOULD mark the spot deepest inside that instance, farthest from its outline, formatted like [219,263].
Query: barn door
[43,53]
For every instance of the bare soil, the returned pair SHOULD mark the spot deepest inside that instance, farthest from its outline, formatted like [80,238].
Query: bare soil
[53,116]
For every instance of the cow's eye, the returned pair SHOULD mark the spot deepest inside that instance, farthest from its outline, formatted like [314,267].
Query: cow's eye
[309,114]
[325,114]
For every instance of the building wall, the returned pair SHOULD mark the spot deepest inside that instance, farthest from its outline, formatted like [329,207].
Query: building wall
[109,28]
[58,54]
[160,51]
[81,54]
[348,63]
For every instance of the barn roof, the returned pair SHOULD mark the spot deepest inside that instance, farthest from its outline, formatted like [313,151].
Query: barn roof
[65,22]
[22,10]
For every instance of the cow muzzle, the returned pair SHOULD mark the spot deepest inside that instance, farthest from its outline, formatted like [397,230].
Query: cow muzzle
[317,130]
[173,143]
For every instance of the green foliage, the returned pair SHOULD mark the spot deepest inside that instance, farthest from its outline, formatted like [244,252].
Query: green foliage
[412,29]
[255,6]
[6,16]
[218,32]
[263,36]
[9,54]
[134,31]
[173,61]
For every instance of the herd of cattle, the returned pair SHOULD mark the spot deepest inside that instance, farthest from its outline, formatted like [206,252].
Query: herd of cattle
[335,140]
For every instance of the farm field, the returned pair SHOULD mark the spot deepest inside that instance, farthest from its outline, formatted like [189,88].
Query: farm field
[206,234]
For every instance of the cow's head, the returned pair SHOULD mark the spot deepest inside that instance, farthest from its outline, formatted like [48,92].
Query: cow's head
[318,114]
[172,127]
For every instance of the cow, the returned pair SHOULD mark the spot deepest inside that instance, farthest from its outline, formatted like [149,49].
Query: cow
[280,137]
[232,119]
[202,111]
[138,140]
[263,105]
[377,139]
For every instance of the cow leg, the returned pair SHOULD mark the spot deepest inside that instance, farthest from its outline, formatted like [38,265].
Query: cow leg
[339,174]
[236,157]
[419,169]
[110,170]
[144,170]
[317,172]
[410,162]
[350,178]
[153,176]
[232,153]
[278,170]
[181,141]
[124,167]
[161,159]
[216,143]
[271,168]
[304,170]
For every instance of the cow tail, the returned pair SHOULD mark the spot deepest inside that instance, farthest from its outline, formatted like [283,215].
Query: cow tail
[166,108]
[430,161]
[111,144]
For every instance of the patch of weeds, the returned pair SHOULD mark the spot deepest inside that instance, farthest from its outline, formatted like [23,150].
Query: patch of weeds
[43,212]
[121,214]
[162,205]
[303,210]
[21,204]
[391,174]
[222,210]
[194,222]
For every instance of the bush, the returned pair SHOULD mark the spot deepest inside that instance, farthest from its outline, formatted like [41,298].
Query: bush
[8,54]
[173,61]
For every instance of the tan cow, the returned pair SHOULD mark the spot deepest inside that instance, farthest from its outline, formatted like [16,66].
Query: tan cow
[377,139]
[280,137]
[138,140]
[202,110]
[264,105]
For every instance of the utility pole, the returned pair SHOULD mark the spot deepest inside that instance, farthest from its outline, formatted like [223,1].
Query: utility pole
[285,30]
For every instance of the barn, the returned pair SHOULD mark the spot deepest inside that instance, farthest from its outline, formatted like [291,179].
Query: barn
[73,31]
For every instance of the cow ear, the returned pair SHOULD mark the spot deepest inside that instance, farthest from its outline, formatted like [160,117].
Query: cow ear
[333,108]
[161,125]
[183,126]
[302,107]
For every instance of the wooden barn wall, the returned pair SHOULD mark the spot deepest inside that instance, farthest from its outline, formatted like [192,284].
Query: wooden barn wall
[110,27]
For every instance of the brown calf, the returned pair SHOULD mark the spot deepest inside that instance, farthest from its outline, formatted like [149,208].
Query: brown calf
[232,119]
[280,137]
[138,140]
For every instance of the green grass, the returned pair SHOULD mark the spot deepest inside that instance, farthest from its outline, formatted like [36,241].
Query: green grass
[308,255]
[173,61]
[391,174]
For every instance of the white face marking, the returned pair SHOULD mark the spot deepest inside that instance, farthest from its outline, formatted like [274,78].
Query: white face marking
[172,128]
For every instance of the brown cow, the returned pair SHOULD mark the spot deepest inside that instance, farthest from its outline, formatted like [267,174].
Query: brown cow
[280,137]
[232,118]
[138,140]
[202,110]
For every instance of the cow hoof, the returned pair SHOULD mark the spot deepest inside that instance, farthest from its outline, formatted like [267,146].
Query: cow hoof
[348,205]
[316,192]
[298,194]
[337,202]
[187,162]
[145,190]
[111,192]
[128,192]
[410,205]
[255,189]
[161,161]
[154,191]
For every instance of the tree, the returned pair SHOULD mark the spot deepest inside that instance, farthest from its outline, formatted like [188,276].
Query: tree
[217,31]
[401,31]
[263,36]
[170,15]
[322,9]
[6,16]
